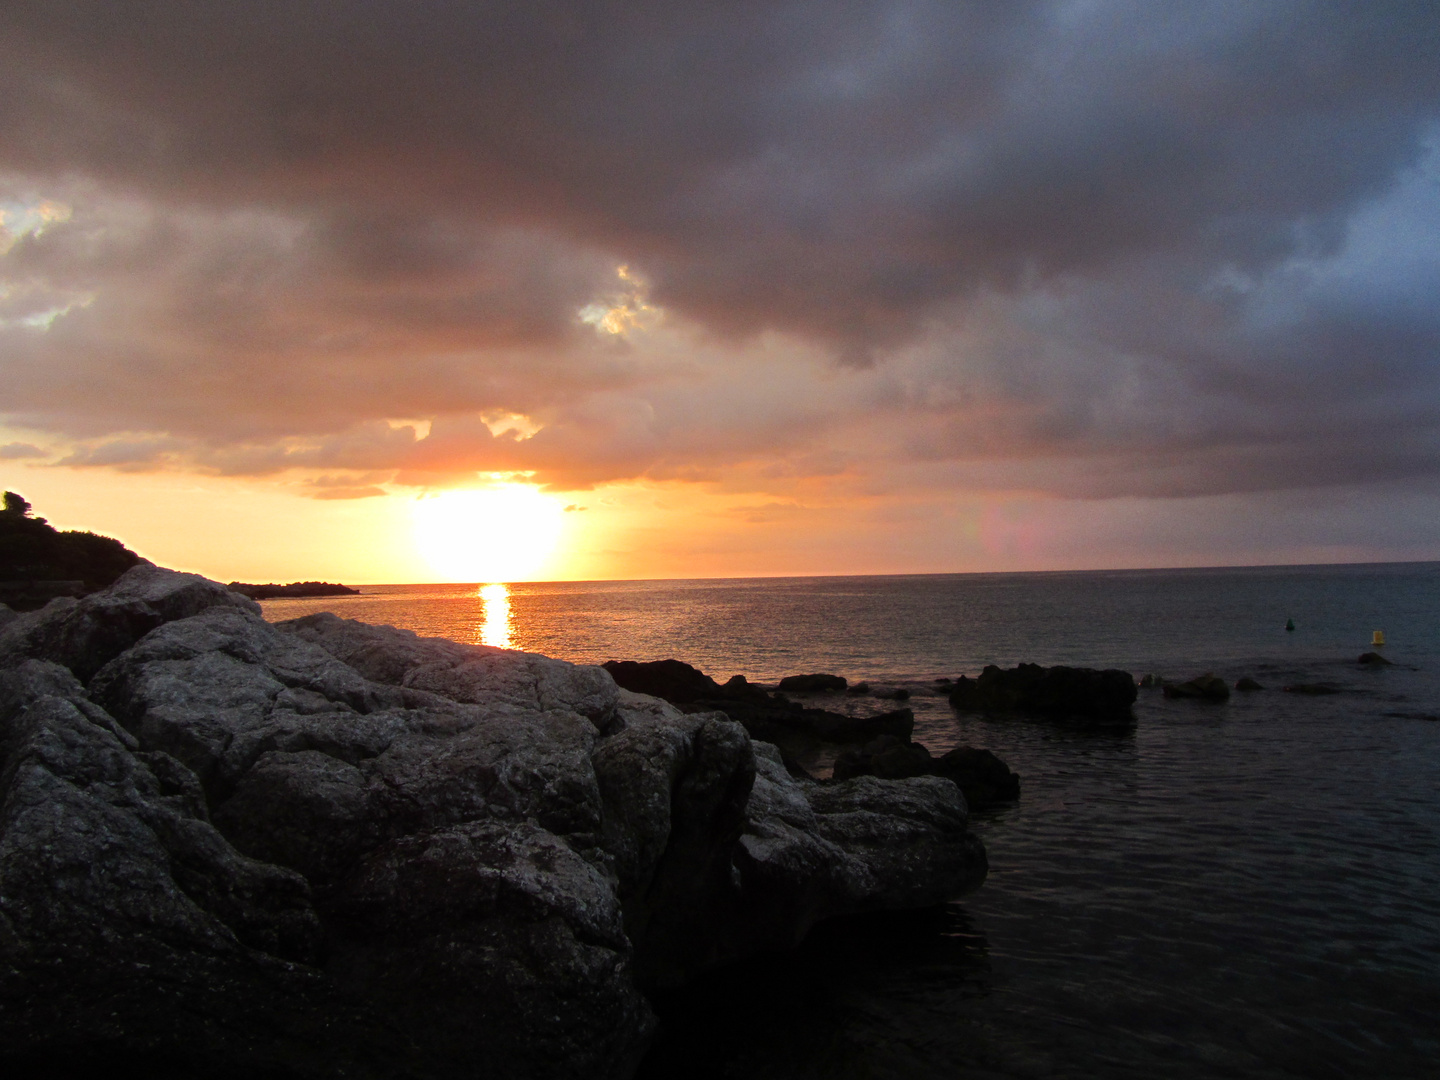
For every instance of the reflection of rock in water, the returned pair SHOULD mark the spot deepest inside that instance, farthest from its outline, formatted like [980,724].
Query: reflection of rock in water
[875,995]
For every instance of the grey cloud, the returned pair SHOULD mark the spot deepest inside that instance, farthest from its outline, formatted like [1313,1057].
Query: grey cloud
[17,451]
[1083,248]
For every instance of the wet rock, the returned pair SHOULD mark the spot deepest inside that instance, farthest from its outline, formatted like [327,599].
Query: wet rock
[859,689]
[1055,692]
[812,684]
[1205,687]
[1374,659]
[984,779]
[1149,680]
[896,694]
[1245,682]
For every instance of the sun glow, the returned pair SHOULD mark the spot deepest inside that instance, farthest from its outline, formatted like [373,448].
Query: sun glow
[495,534]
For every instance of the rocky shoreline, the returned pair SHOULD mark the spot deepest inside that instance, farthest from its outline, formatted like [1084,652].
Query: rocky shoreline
[323,848]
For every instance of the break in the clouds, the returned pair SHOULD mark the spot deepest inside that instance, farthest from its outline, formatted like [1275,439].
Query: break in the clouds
[1085,248]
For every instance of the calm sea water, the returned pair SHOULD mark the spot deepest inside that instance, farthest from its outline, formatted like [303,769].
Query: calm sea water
[1249,889]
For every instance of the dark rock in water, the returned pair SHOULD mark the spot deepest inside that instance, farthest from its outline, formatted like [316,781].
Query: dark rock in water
[984,779]
[1056,692]
[1311,689]
[1205,687]
[859,688]
[675,681]
[1149,680]
[897,694]
[328,849]
[769,717]
[1374,659]
[1245,682]
[812,684]
[294,589]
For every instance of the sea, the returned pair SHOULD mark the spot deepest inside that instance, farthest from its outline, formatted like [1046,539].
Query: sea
[1238,889]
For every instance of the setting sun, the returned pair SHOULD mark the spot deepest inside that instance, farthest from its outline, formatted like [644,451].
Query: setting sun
[502,533]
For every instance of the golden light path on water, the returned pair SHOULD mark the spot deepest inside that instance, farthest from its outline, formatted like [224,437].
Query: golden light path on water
[495,629]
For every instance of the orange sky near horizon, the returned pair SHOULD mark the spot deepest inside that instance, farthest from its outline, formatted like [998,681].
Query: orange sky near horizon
[250,530]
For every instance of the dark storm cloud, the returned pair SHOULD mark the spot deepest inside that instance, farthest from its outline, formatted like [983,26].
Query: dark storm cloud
[1111,244]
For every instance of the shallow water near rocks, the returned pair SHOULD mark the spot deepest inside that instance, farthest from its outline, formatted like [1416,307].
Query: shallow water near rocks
[1243,889]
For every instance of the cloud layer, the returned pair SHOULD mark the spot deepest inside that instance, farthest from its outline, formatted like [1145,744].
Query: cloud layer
[1089,249]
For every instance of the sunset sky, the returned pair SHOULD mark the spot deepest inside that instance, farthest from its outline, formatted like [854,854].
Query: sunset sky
[713,289]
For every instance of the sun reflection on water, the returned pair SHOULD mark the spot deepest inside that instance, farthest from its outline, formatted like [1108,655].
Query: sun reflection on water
[495,630]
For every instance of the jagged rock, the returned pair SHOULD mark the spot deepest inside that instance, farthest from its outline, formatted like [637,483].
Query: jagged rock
[84,635]
[1205,687]
[1374,659]
[982,777]
[1056,692]
[7,615]
[812,684]
[1245,682]
[811,851]
[324,848]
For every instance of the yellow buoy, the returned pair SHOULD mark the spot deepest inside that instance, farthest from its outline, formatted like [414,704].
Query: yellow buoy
[1377,637]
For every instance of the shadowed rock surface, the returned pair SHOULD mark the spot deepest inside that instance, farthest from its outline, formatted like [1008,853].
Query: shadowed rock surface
[1054,692]
[325,848]
[984,779]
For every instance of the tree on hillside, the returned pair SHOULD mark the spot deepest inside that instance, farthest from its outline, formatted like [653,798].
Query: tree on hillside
[14,504]
[32,550]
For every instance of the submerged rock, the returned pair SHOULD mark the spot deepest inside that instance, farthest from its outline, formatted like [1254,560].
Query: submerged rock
[1374,659]
[324,848]
[1055,692]
[1205,687]
[1245,682]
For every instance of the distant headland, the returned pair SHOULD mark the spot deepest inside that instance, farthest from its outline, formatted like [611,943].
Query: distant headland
[296,588]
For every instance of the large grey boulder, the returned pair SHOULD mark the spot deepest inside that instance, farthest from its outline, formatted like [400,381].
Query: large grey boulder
[132,931]
[324,848]
[85,634]
[812,851]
